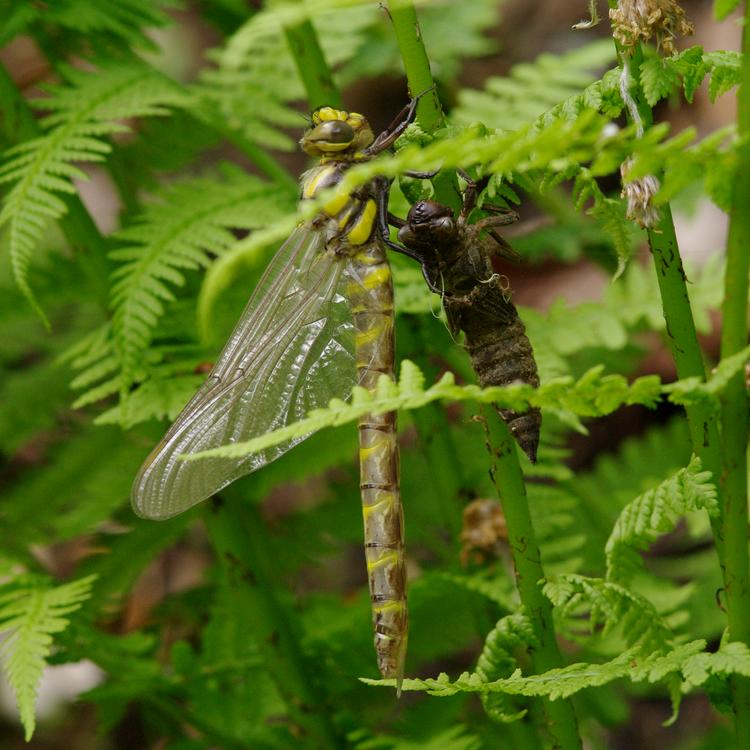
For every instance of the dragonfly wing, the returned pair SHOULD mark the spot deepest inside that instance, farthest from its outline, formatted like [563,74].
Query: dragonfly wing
[291,351]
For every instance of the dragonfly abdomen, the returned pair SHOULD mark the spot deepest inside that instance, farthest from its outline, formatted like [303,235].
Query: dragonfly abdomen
[370,294]
[500,351]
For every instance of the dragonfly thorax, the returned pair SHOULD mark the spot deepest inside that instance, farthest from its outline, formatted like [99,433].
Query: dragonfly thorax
[348,219]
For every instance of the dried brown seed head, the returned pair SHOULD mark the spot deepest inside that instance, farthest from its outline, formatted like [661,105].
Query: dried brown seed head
[634,21]
[639,195]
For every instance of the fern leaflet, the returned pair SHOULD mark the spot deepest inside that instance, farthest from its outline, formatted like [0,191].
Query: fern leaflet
[42,170]
[609,605]
[184,231]
[655,512]
[497,661]
[566,681]
[121,20]
[533,88]
[30,613]
[592,395]
[256,78]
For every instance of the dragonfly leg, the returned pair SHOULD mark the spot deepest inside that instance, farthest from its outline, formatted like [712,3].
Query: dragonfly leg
[402,121]
[403,250]
[501,219]
[503,249]
[396,221]
[386,218]
[471,192]
[415,175]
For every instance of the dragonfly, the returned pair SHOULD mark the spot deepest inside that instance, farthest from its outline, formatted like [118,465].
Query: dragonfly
[319,322]
[456,260]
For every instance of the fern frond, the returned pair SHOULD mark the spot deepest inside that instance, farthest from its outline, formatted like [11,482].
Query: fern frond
[609,605]
[694,390]
[497,661]
[564,682]
[182,232]
[125,21]
[532,88]
[256,78]
[87,477]
[30,613]
[83,113]
[630,304]
[157,398]
[493,587]
[654,513]
[662,76]
[594,394]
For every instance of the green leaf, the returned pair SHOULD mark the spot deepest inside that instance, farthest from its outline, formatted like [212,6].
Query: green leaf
[694,390]
[124,22]
[31,612]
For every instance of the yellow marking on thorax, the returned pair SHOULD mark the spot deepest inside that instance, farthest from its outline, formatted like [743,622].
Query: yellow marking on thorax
[364,258]
[387,607]
[346,213]
[312,184]
[362,228]
[336,205]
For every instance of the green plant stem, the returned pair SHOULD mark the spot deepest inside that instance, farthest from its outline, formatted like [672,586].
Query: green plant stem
[683,343]
[728,469]
[508,479]
[734,407]
[419,77]
[312,66]
[562,723]
[239,537]
[83,236]
[678,315]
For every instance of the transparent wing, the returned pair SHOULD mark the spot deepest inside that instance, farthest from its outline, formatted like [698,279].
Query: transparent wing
[291,351]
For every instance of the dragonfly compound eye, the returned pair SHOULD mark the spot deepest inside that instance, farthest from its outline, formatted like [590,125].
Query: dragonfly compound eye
[329,136]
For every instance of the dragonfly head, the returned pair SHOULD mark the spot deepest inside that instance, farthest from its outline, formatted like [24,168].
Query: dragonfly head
[429,225]
[336,132]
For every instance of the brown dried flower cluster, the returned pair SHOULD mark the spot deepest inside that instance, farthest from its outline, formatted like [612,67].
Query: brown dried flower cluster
[640,20]
[639,195]
[483,532]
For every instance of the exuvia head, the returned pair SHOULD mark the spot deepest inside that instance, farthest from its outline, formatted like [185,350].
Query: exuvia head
[428,224]
[336,132]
